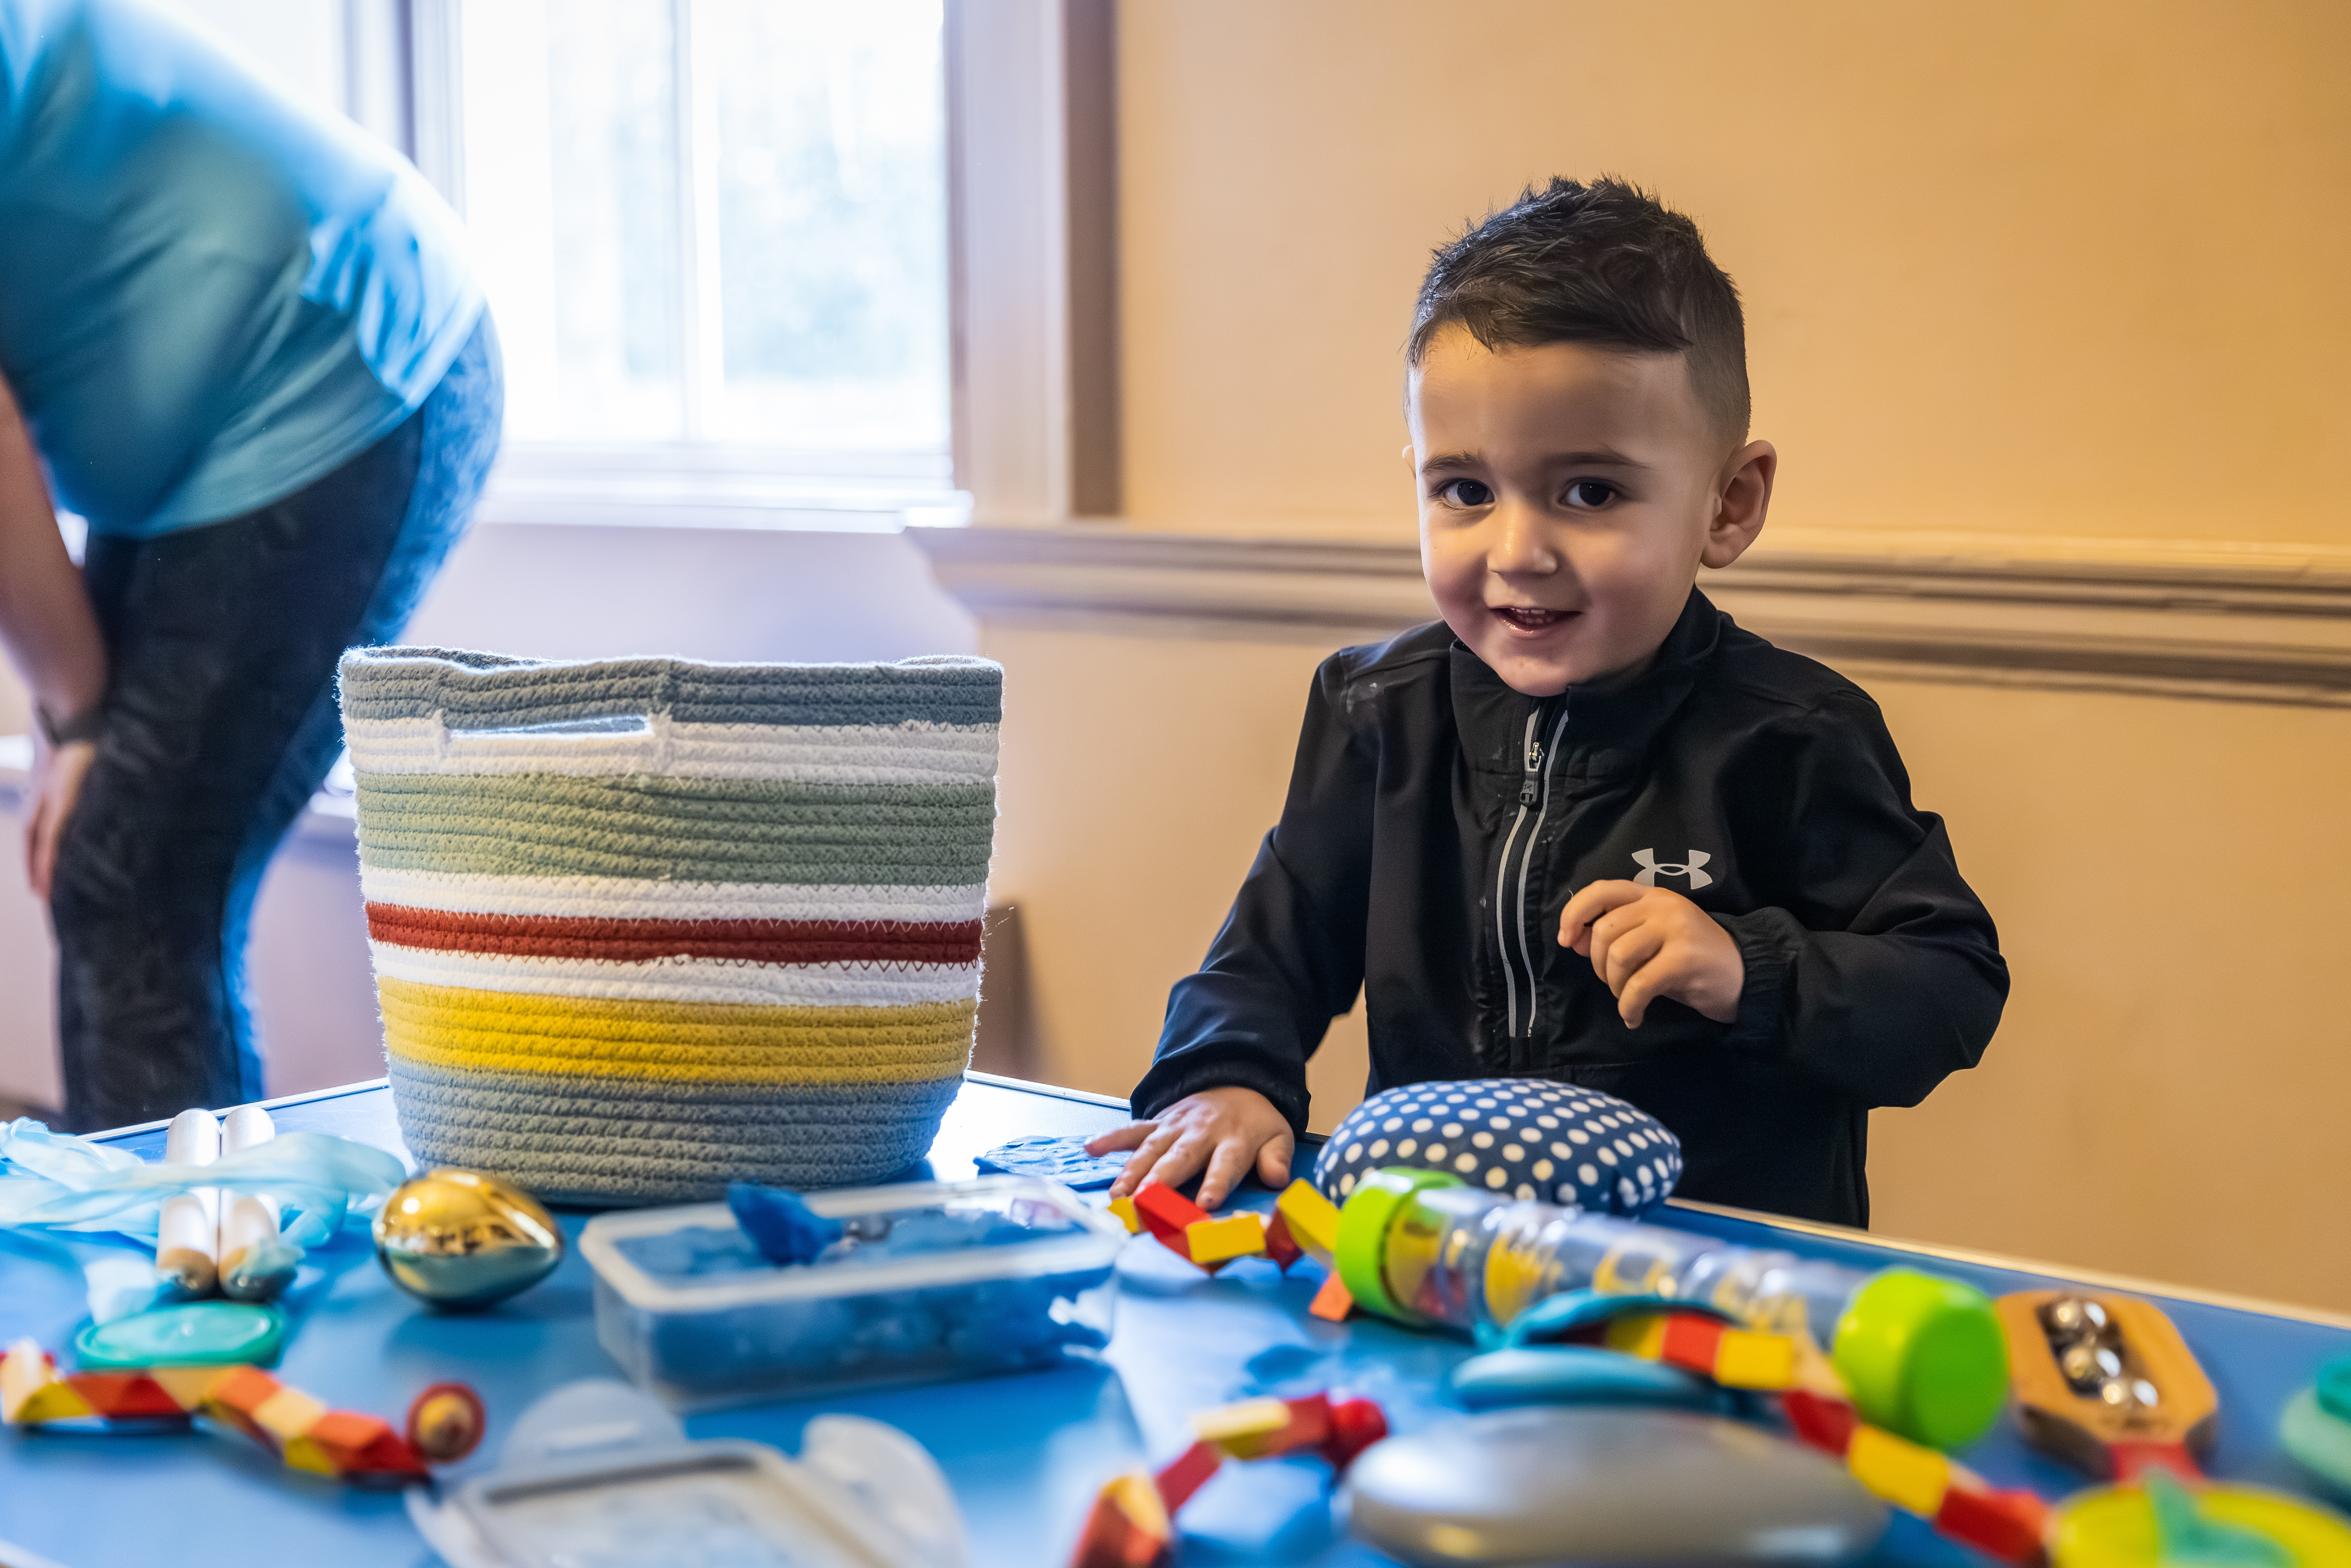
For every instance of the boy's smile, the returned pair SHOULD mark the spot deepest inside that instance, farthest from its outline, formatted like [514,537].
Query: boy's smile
[1568,494]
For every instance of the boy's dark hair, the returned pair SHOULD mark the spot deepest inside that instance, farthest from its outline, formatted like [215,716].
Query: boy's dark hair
[1605,263]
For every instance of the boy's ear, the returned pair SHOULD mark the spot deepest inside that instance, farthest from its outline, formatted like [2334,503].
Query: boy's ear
[1739,510]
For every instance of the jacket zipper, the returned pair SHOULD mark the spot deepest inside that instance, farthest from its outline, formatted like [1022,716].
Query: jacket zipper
[1534,794]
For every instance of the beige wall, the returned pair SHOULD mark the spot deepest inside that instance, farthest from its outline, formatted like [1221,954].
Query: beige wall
[2073,267]
[2017,269]
[2166,1092]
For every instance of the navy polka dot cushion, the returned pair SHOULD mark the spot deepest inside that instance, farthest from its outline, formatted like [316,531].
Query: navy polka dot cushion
[1525,1136]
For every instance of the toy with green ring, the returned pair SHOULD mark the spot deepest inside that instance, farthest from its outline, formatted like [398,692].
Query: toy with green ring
[2317,1427]
[1923,1356]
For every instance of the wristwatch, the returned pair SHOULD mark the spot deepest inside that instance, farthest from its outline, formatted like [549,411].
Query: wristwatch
[83,726]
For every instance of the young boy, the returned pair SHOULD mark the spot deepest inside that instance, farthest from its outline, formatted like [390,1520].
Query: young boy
[1585,828]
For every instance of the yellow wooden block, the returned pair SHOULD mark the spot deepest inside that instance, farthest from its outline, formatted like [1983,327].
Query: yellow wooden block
[1313,1219]
[1900,1471]
[189,1385]
[301,1454]
[1744,1359]
[1240,1234]
[53,1402]
[1242,1431]
[287,1414]
[1638,1334]
[1125,1208]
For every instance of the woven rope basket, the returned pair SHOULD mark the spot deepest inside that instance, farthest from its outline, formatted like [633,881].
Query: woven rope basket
[643,926]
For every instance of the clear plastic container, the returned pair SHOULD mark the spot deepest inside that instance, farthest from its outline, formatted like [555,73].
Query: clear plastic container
[1474,1259]
[943,1279]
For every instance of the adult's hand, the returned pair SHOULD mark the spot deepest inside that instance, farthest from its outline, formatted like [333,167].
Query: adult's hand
[63,768]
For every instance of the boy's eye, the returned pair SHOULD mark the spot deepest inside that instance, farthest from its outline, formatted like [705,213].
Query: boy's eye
[1466,493]
[1590,493]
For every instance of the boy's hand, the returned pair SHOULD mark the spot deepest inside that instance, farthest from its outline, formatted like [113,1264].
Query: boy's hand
[1651,942]
[1224,1129]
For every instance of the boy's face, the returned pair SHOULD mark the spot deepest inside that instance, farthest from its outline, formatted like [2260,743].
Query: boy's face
[1568,494]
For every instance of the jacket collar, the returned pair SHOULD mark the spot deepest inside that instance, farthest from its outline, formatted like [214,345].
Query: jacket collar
[1607,727]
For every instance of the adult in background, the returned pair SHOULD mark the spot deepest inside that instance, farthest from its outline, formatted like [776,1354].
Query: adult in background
[241,339]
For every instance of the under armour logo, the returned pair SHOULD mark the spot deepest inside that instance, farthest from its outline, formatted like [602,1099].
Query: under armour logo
[1650,868]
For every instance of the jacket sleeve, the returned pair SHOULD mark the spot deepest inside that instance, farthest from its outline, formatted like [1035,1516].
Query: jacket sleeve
[1289,957]
[1879,971]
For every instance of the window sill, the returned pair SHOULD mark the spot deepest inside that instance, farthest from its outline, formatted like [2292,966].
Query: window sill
[701,490]
[718,502]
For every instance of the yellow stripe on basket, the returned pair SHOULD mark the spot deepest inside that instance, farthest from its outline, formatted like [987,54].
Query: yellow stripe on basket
[460,1029]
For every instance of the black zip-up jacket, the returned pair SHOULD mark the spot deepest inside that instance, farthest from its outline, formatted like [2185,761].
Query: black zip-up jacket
[1437,822]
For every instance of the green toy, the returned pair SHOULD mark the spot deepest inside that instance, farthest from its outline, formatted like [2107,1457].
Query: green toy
[1923,1356]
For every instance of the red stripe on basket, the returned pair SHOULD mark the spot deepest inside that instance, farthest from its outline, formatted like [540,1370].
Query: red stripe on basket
[627,941]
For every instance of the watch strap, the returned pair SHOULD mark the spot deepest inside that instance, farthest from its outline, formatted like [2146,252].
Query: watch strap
[83,726]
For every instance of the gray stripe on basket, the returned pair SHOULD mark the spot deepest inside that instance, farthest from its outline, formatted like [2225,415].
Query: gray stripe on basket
[573,1139]
[490,691]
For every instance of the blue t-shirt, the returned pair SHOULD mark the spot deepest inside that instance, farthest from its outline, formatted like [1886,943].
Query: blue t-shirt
[210,296]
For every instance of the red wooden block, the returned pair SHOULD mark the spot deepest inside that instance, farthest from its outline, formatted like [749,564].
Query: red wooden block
[388,1455]
[119,1395]
[1826,1424]
[1188,1473]
[1165,1212]
[2010,1525]
[343,1435]
[1355,1425]
[1279,1246]
[1112,1539]
[1310,1425]
[1691,1340]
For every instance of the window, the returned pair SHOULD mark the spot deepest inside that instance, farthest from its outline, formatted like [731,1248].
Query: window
[714,232]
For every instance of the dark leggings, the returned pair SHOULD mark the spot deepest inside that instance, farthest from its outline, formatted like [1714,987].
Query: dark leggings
[221,723]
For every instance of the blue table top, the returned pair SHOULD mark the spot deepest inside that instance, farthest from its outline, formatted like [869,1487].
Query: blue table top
[1024,1454]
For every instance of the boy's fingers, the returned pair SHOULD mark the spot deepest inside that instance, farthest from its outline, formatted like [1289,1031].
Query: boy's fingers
[1273,1161]
[1628,953]
[1180,1161]
[1226,1166]
[1139,1164]
[1129,1136]
[1648,983]
[1609,932]
[1589,905]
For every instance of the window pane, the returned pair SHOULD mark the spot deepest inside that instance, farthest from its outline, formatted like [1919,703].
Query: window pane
[571,196]
[831,181]
[819,135]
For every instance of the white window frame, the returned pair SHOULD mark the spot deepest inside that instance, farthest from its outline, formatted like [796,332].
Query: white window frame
[1008,313]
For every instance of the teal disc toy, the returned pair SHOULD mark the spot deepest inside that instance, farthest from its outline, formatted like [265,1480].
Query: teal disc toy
[2317,1427]
[198,1334]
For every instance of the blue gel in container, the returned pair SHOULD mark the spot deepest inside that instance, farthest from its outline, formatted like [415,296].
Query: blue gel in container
[950,1280]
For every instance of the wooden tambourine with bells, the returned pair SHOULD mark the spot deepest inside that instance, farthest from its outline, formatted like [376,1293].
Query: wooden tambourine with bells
[2105,1383]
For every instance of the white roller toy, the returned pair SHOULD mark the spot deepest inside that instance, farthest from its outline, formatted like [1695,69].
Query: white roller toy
[254,1264]
[188,1237]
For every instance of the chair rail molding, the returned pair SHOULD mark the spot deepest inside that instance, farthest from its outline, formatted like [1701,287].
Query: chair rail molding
[2246,623]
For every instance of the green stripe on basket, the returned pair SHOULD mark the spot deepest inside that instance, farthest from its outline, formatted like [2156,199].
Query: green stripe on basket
[690,829]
